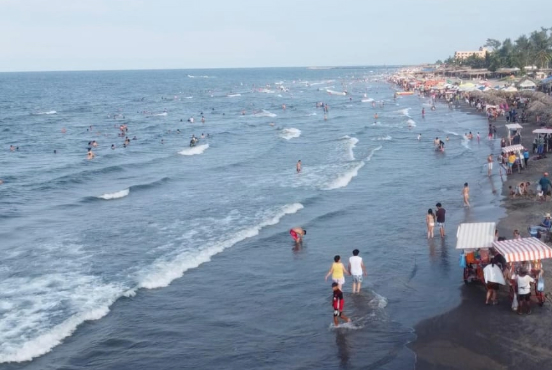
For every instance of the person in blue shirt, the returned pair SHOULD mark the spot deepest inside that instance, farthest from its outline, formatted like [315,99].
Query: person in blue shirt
[547,223]
[526,156]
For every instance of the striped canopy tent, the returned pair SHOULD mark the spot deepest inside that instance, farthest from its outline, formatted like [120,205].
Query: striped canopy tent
[513,148]
[475,235]
[526,249]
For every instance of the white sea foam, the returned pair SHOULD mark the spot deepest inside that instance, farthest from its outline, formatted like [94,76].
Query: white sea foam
[411,123]
[190,76]
[290,133]
[267,91]
[332,92]
[264,113]
[352,142]
[405,111]
[452,133]
[115,195]
[188,97]
[382,138]
[233,95]
[29,328]
[163,271]
[161,114]
[47,112]
[198,149]
[379,301]
[369,100]
[344,179]
[311,114]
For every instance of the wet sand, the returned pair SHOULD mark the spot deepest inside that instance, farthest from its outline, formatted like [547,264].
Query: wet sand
[477,336]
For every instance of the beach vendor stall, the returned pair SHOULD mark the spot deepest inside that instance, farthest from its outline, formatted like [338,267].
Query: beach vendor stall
[541,143]
[517,150]
[514,133]
[475,239]
[524,256]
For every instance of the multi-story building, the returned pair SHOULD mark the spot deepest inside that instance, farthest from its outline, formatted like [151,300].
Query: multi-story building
[466,54]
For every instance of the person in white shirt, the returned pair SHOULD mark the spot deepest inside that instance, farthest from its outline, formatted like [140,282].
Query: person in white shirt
[357,270]
[523,282]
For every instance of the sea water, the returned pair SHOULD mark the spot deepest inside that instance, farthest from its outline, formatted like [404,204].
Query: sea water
[162,255]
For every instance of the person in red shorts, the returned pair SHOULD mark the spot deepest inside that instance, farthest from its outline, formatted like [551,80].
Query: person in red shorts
[297,234]
[338,303]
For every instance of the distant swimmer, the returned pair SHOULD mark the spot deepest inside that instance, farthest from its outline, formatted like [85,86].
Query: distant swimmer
[297,233]
[466,195]
[12,148]
[423,112]
[202,135]
[447,139]
[1,182]
[112,146]
[283,106]
[298,166]
[90,154]
[55,151]
[63,130]
[419,137]
[202,119]
[432,107]
[375,117]
[436,142]
[325,117]
[478,138]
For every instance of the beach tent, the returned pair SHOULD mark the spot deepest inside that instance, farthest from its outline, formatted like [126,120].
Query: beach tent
[510,89]
[526,249]
[467,87]
[513,148]
[475,235]
[527,85]
[516,149]
[543,131]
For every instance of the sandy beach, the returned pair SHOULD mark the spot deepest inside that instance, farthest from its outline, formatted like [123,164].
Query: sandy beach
[477,336]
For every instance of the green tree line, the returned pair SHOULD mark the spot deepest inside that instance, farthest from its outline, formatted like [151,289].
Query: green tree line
[535,49]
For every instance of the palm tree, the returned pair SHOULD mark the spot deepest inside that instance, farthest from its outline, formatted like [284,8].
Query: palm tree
[541,45]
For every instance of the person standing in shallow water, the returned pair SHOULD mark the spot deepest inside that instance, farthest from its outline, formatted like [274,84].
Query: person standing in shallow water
[466,195]
[298,166]
[338,304]
[430,222]
[338,272]
[440,215]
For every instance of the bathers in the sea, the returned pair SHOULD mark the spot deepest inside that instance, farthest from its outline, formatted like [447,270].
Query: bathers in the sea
[294,235]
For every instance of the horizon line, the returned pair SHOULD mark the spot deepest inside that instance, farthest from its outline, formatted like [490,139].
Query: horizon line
[211,68]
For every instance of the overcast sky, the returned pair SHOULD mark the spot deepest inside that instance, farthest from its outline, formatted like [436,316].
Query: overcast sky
[39,35]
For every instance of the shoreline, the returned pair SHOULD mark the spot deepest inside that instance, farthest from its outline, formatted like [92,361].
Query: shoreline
[476,336]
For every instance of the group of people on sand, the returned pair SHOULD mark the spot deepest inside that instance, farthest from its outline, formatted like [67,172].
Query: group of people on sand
[355,269]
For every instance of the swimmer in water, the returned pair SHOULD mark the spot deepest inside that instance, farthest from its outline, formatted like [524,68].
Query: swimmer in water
[447,139]
[202,135]
[202,119]
[298,166]
[375,118]
[90,154]
[297,233]
[112,146]
[436,142]
[419,137]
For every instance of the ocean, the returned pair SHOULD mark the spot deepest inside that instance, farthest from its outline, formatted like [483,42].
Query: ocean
[165,256]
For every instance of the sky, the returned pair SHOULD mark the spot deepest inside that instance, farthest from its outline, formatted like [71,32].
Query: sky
[50,35]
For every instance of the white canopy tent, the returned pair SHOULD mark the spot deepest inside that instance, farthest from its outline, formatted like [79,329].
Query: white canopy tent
[475,235]
[543,131]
